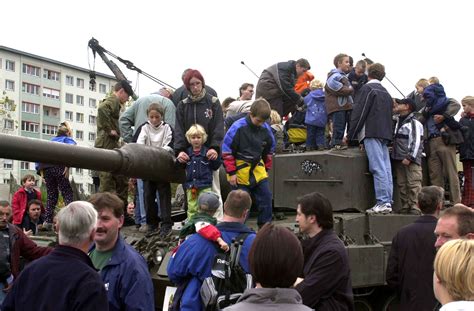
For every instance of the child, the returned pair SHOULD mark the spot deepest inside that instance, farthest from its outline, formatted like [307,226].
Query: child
[23,196]
[247,151]
[466,149]
[159,134]
[56,177]
[436,104]
[316,117]
[199,168]
[203,223]
[406,153]
[278,131]
[338,99]
[33,220]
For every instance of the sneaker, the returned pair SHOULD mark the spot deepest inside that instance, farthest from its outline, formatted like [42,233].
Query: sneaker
[339,147]
[165,232]
[143,228]
[384,208]
[372,209]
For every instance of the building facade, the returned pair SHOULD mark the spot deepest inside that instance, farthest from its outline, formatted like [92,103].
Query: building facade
[43,93]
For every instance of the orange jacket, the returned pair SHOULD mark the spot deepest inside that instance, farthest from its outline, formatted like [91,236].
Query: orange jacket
[303,82]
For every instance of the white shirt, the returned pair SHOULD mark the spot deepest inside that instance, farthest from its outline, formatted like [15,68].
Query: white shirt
[458,306]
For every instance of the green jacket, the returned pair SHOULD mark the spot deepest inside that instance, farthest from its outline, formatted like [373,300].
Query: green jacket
[189,227]
[108,115]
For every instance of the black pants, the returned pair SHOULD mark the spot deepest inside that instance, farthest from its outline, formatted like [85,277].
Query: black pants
[164,191]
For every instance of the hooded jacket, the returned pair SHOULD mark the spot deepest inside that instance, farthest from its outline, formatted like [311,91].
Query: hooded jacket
[315,109]
[274,299]
[339,92]
[206,112]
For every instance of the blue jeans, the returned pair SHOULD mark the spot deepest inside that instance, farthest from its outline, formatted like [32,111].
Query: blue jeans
[263,200]
[379,166]
[315,136]
[140,213]
[339,122]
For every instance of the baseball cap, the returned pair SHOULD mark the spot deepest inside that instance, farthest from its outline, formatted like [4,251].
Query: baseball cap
[208,201]
[407,101]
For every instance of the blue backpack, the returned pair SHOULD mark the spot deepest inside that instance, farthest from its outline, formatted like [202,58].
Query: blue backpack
[315,109]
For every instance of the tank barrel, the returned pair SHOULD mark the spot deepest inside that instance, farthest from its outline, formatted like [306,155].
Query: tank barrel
[132,160]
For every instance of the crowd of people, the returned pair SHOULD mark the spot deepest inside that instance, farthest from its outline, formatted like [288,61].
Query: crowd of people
[414,135]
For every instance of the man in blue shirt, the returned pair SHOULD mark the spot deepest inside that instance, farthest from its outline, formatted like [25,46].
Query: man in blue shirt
[123,270]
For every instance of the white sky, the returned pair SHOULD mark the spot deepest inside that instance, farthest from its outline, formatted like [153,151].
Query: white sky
[413,39]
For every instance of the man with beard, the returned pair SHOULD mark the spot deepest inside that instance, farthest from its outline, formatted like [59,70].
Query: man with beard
[123,270]
[13,244]
[32,221]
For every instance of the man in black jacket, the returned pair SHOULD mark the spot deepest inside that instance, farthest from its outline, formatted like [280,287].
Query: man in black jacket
[327,280]
[410,264]
[276,84]
[371,124]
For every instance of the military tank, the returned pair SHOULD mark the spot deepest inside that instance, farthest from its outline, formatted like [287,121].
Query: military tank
[342,176]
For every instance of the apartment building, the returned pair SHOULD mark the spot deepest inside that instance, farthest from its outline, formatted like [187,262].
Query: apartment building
[43,93]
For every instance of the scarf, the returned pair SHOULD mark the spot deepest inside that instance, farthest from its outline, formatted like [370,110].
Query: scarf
[195,98]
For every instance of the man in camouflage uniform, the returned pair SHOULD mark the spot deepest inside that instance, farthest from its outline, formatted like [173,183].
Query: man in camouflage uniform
[108,135]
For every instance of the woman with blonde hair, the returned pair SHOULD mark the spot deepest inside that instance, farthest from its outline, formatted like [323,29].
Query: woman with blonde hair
[453,278]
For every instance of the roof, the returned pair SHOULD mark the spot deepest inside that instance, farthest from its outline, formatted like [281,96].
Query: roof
[54,62]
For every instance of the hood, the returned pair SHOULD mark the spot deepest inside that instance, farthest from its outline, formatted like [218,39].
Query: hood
[317,94]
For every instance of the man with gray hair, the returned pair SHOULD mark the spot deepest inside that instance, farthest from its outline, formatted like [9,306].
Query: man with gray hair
[51,276]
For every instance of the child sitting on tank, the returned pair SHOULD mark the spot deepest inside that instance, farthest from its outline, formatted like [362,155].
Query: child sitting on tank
[203,221]
[24,194]
[159,134]
[199,168]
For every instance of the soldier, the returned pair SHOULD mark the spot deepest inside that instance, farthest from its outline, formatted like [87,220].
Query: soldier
[108,135]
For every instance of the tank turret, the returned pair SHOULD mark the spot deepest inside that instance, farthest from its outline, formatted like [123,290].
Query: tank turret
[132,160]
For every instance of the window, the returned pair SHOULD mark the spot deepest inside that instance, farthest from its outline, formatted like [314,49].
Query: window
[8,164]
[79,117]
[50,93]
[51,112]
[92,103]
[92,87]
[80,83]
[92,120]
[50,129]
[69,98]
[9,105]
[31,70]
[6,181]
[29,127]
[8,124]
[25,165]
[69,115]
[9,65]
[30,88]
[79,171]
[91,136]
[9,85]
[79,135]
[51,75]
[30,107]
[80,100]
[90,188]
[102,88]
[69,80]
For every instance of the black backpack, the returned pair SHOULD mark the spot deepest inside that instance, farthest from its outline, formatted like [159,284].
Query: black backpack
[228,279]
